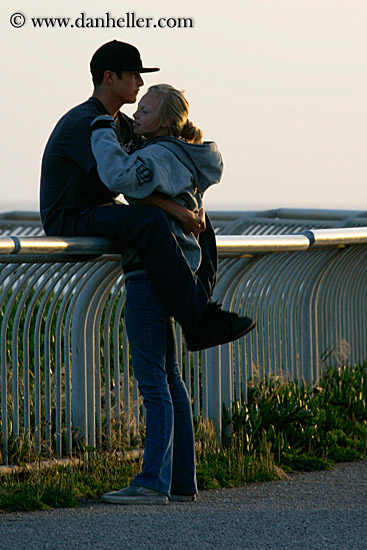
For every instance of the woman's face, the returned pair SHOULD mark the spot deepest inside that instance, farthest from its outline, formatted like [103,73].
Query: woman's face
[146,117]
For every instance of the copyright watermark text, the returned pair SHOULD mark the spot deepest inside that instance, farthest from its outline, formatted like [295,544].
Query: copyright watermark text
[129,20]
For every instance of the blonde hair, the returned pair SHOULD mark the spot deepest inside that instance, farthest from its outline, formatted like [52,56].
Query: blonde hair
[173,107]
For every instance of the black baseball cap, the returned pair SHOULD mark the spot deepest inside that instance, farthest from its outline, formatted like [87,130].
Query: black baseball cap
[118,56]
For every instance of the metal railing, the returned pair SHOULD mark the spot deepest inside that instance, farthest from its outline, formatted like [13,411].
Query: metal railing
[64,350]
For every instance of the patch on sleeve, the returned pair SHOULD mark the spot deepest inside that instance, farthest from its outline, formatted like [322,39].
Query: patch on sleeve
[143,174]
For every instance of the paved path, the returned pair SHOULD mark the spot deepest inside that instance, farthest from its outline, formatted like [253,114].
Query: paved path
[310,511]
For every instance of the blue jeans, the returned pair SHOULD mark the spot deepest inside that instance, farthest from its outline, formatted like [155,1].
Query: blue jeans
[169,456]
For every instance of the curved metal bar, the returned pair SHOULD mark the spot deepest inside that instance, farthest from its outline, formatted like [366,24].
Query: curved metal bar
[51,300]
[100,301]
[82,273]
[116,366]
[301,276]
[66,296]
[11,288]
[31,281]
[37,290]
[83,398]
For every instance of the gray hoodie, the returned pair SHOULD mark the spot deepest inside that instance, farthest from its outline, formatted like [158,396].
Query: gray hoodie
[181,170]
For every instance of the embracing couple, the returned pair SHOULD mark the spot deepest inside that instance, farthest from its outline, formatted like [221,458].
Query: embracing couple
[160,164]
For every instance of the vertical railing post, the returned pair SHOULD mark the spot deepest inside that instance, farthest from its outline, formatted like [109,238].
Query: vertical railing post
[83,355]
[215,390]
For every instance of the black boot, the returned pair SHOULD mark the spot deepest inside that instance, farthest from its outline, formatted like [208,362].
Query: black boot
[217,327]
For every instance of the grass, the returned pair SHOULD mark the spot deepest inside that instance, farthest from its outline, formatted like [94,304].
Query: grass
[308,427]
[283,427]
[65,486]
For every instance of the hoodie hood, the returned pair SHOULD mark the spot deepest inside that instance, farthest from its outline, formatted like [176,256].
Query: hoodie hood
[203,160]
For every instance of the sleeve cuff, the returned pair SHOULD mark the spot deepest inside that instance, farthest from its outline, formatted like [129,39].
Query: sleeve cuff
[102,121]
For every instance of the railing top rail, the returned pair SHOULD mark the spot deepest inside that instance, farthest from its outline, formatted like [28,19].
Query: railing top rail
[237,245]
[278,213]
[55,245]
[228,245]
[339,236]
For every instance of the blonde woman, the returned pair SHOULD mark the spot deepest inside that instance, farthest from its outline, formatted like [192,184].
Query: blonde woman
[176,162]
[173,159]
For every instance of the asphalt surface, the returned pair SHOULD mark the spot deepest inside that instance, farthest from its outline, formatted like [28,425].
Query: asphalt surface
[309,511]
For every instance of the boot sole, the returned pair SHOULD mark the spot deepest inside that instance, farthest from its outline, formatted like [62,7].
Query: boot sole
[218,342]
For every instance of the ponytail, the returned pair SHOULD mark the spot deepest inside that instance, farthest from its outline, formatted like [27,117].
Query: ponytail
[189,132]
[174,109]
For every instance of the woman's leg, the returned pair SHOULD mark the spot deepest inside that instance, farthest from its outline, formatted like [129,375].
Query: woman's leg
[183,465]
[146,324]
[148,229]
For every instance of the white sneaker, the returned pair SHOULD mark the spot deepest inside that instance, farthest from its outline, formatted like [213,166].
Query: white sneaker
[135,495]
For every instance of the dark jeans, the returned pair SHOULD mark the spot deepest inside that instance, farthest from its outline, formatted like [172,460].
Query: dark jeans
[147,228]
[169,456]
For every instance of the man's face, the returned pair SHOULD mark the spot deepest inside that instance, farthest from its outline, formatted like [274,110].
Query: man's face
[127,87]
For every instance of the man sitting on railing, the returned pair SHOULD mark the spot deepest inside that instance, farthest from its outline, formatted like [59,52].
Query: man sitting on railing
[75,202]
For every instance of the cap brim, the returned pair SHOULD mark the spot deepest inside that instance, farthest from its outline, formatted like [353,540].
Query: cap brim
[146,70]
[135,69]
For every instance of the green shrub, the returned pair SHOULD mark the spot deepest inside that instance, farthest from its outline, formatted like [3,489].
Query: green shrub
[307,428]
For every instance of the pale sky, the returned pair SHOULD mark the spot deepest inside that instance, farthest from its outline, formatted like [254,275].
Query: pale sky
[280,85]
